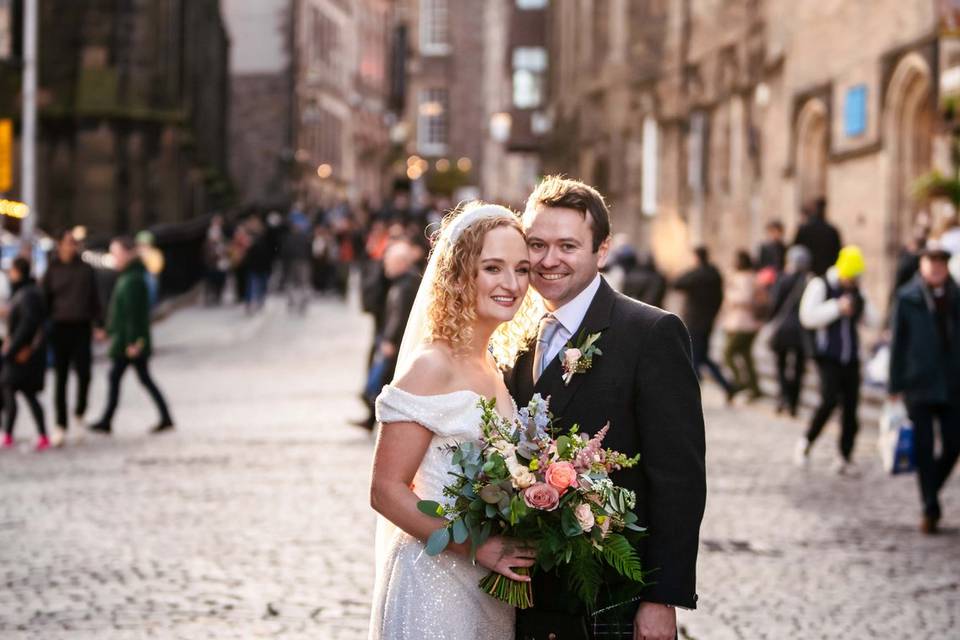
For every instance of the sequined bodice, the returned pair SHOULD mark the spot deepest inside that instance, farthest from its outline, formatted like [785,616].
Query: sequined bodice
[416,595]
[452,417]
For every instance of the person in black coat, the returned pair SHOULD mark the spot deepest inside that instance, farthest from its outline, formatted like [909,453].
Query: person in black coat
[703,286]
[643,384]
[400,298]
[259,264]
[773,251]
[925,372]
[25,351]
[820,238]
[401,277]
[787,338]
[643,282]
[73,299]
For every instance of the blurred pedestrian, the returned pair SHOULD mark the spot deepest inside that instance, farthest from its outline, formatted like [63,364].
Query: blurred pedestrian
[128,326]
[73,300]
[820,237]
[741,325]
[24,352]
[703,289]
[295,255]
[216,259]
[787,335]
[643,281]
[401,272]
[950,240]
[153,263]
[322,256]
[772,251]
[833,306]
[620,259]
[925,371]
[259,264]
[908,262]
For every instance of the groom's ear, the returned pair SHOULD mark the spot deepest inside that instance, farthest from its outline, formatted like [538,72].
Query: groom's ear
[603,252]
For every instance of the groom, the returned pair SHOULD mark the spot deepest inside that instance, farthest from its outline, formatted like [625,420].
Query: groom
[643,384]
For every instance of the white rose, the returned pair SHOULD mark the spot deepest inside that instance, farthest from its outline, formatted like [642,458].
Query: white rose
[506,449]
[522,477]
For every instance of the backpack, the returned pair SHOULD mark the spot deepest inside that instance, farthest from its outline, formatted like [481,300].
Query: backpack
[761,304]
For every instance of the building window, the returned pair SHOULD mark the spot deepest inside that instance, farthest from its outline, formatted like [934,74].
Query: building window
[531,4]
[529,77]
[434,28]
[325,41]
[432,122]
[650,167]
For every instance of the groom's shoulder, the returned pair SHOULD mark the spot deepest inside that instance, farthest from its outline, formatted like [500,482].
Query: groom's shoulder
[635,314]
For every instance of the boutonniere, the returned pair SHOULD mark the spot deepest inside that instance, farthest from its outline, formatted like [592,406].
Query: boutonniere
[579,358]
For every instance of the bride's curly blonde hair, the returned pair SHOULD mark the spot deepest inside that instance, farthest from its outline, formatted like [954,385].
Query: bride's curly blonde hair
[453,302]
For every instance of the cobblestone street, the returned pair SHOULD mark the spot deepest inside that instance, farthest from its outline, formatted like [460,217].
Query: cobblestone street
[251,520]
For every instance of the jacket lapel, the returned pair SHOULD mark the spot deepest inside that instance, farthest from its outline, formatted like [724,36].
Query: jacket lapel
[596,320]
[523,376]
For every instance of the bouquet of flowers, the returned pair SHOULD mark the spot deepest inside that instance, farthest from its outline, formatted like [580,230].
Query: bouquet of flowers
[550,491]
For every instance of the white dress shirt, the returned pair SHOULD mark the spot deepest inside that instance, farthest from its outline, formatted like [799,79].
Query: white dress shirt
[570,316]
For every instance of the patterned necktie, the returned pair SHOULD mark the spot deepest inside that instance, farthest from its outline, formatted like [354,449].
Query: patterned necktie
[548,329]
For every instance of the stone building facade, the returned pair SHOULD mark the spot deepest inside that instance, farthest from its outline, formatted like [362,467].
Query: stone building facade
[460,119]
[702,120]
[261,100]
[341,89]
[132,112]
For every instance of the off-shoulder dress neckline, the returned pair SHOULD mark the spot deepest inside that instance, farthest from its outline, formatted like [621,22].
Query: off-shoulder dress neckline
[513,402]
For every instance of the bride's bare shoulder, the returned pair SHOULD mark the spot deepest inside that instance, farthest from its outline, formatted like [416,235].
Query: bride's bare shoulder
[430,371]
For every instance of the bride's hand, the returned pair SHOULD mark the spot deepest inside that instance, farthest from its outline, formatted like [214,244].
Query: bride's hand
[503,555]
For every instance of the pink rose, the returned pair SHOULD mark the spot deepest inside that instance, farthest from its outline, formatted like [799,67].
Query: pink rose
[561,476]
[571,356]
[541,496]
[584,516]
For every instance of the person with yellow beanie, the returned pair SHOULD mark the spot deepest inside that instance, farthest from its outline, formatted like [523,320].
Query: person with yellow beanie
[832,308]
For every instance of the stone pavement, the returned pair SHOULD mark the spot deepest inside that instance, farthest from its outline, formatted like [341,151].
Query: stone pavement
[251,520]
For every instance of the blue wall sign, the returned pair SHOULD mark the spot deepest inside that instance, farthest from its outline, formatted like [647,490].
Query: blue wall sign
[855,111]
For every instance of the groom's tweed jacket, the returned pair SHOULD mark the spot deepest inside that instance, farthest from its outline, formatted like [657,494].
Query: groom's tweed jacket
[643,384]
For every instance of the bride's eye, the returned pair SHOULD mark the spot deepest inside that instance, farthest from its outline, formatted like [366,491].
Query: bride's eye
[524,270]
[492,269]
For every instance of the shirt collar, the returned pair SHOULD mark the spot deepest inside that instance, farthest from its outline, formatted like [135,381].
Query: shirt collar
[571,315]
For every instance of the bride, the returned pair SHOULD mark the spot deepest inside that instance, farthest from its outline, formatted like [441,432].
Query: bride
[464,319]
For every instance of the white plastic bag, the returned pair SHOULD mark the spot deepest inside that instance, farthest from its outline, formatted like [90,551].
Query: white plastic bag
[896,439]
[877,371]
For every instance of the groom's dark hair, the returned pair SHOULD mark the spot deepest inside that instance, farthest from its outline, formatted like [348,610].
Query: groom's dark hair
[557,191]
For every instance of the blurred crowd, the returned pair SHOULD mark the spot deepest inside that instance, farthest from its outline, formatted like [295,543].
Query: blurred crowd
[54,320]
[801,301]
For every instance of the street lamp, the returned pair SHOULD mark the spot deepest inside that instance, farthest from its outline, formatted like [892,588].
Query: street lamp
[28,156]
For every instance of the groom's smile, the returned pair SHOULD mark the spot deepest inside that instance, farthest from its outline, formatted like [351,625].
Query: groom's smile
[562,251]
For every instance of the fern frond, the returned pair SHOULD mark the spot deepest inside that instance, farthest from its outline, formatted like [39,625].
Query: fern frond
[620,554]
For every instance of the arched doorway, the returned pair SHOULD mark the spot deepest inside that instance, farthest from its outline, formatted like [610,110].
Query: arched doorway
[812,150]
[908,130]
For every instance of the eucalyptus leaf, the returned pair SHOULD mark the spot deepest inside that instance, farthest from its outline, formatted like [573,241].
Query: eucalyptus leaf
[460,532]
[491,494]
[438,541]
[431,508]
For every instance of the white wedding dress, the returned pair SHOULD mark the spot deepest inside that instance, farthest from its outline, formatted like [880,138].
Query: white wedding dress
[421,597]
